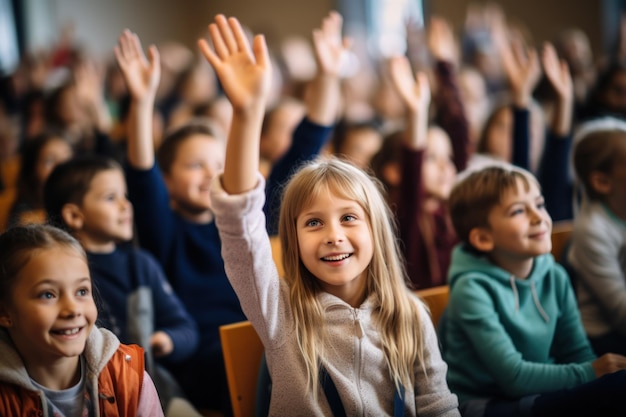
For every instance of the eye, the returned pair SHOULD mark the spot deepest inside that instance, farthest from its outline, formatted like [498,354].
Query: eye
[517,212]
[313,223]
[348,218]
[83,292]
[46,295]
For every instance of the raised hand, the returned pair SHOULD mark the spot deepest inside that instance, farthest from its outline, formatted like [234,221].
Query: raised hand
[244,74]
[415,92]
[520,64]
[330,48]
[142,76]
[441,40]
[557,72]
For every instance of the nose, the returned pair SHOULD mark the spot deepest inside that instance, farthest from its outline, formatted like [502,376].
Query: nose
[334,234]
[70,307]
[536,217]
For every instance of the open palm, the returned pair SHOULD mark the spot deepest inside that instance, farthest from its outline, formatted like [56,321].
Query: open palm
[142,76]
[245,75]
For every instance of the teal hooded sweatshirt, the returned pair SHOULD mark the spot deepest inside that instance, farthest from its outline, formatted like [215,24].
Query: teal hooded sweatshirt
[505,337]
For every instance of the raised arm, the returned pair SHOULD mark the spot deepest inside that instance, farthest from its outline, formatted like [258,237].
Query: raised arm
[323,95]
[142,78]
[415,94]
[245,75]
[559,76]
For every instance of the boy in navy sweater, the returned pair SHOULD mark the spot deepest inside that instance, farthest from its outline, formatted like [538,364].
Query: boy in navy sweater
[87,196]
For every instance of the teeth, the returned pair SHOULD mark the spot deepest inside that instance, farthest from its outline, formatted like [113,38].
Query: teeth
[69,331]
[337,257]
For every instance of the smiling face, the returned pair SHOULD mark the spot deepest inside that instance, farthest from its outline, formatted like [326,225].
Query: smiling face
[519,227]
[335,245]
[105,215]
[51,311]
[198,159]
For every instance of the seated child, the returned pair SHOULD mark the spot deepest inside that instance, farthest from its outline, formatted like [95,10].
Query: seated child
[54,361]
[599,239]
[512,333]
[87,196]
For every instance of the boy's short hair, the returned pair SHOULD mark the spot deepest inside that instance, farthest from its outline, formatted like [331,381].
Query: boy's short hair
[598,151]
[472,199]
[166,153]
[69,182]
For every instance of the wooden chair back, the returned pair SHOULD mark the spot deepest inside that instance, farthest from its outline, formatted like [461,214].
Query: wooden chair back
[242,351]
[561,235]
[436,298]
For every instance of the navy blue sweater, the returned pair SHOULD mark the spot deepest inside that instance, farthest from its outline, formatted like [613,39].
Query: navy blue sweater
[190,254]
[120,274]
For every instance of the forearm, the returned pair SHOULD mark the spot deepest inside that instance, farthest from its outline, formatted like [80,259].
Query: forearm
[323,99]
[140,141]
[562,118]
[242,159]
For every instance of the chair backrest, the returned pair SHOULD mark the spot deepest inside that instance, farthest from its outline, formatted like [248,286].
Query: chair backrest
[277,255]
[561,235]
[436,298]
[242,351]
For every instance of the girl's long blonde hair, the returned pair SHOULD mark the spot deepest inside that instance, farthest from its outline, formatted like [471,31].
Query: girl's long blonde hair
[396,314]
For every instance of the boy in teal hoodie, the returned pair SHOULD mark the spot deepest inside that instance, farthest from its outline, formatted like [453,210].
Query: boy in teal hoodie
[512,334]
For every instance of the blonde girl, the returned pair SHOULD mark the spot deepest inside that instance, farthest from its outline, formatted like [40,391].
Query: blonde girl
[343,335]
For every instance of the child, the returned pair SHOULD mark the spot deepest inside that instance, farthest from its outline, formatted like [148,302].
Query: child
[87,196]
[512,334]
[342,333]
[429,160]
[53,360]
[176,223]
[39,157]
[599,239]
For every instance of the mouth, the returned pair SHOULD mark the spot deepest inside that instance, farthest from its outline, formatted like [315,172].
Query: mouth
[539,235]
[336,258]
[67,332]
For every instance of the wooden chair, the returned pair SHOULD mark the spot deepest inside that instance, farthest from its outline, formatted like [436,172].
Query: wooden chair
[242,351]
[561,235]
[277,254]
[436,298]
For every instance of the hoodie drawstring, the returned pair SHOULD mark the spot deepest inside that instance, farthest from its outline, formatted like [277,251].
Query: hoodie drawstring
[533,291]
[515,293]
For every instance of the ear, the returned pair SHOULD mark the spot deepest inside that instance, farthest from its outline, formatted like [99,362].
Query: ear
[5,318]
[600,182]
[481,239]
[72,216]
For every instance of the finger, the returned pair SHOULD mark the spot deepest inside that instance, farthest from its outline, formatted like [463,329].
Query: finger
[155,60]
[125,43]
[218,42]
[261,54]
[137,50]
[208,53]
[239,35]
[227,33]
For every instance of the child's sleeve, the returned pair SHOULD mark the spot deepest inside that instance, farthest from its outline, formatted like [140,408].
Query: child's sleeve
[554,176]
[149,403]
[154,218]
[248,259]
[570,340]
[170,315]
[432,395]
[451,113]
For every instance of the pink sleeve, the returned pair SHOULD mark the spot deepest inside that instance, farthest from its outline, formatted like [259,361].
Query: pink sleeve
[149,403]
